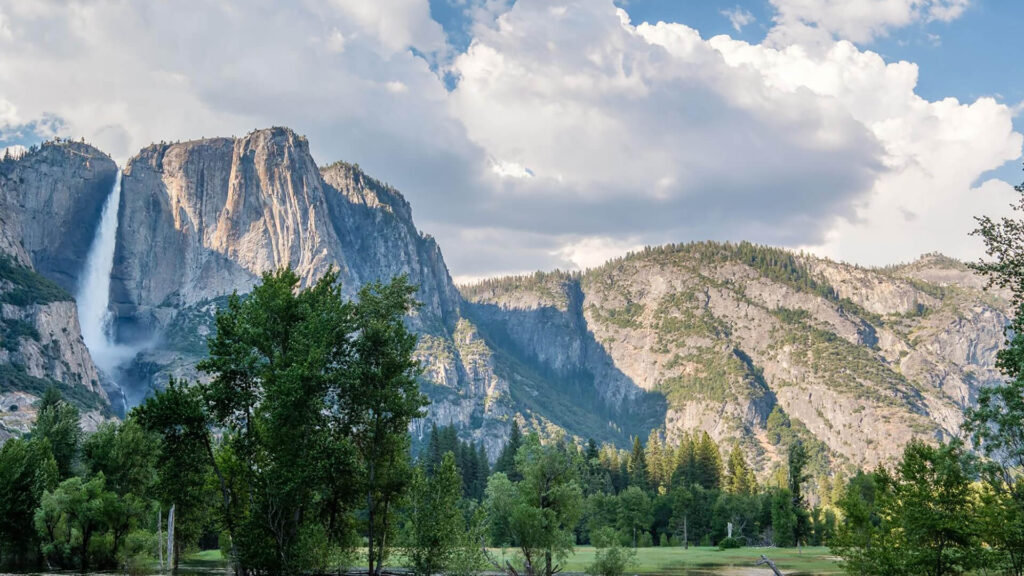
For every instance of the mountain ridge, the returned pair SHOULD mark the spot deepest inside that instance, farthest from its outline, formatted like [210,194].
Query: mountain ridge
[696,336]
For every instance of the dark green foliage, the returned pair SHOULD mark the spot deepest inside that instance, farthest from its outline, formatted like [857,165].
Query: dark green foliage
[797,460]
[14,378]
[783,517]
[506,462]
[729,543]
[13,330]
[57,423]
[921,520]
[27,287]
[437,522]
[471,461]
[637,466]
[176,416]
[27,471]
[539,513]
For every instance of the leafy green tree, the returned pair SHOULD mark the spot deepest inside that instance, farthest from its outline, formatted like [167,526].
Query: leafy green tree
[57,422]
[538,514]
[389,399]
[27,471]
[185,460]
[921,520]
[69,517]
[437,523]
[634,512]
[936,509]
[126,455]
[997,420]
[867,538]
[312,396]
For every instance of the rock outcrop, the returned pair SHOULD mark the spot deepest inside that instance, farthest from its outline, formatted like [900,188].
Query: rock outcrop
[201,219]
[50,203]
[863,359]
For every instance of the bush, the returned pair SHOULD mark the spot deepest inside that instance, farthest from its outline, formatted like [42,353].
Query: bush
[611,558]
[728,543]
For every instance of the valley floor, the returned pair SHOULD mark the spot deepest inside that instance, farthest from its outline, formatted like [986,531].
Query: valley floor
[817,561]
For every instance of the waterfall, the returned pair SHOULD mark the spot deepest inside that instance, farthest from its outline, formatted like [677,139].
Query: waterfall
[93,296]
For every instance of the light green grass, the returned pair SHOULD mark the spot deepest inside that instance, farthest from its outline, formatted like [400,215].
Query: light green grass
[812,560]
[206,556]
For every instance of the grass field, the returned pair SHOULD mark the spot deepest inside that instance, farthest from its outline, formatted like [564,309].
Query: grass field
[738,562]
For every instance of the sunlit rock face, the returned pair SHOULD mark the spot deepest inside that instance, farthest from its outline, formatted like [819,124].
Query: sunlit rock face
[681,338]
[864,359]
[203,219]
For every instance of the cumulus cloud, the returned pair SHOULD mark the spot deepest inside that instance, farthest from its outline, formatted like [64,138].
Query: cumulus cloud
[739,17]
[855,20]
[570,135]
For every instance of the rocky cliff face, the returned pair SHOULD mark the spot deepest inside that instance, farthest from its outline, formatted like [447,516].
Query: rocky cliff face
[693,337]
[862,359]
[201,219]
[50,203]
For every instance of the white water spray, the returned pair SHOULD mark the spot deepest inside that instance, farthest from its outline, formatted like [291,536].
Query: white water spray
[94,290]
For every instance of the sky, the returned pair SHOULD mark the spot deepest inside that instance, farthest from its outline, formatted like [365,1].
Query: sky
[541,134]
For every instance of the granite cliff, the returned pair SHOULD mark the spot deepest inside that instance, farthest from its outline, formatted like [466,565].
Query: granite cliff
[862,360]
[732,339]
[50,203]
[199,220]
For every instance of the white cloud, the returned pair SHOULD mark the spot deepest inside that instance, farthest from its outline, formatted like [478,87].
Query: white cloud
[395,24]
[572,135]
[511,170]
[8,114]
[594,251]
[934,151]
[15,150]
[739,17]
[855,20]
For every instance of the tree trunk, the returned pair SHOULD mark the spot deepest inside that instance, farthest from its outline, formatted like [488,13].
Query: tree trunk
[160,536]
[172,556]
[369,510]
[686,536]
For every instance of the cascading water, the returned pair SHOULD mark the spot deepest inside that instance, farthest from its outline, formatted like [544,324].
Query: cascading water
[94,292]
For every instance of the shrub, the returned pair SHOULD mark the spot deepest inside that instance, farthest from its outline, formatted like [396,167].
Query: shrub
[729,543]
[611,558]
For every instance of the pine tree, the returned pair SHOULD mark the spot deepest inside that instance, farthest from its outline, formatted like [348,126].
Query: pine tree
[433,455]
[655,454]
[506,462]
[708,472]
[482,472]
[797,476]
[637,466]
[738,473]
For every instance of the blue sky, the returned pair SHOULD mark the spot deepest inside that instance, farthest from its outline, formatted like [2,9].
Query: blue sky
[537,134]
